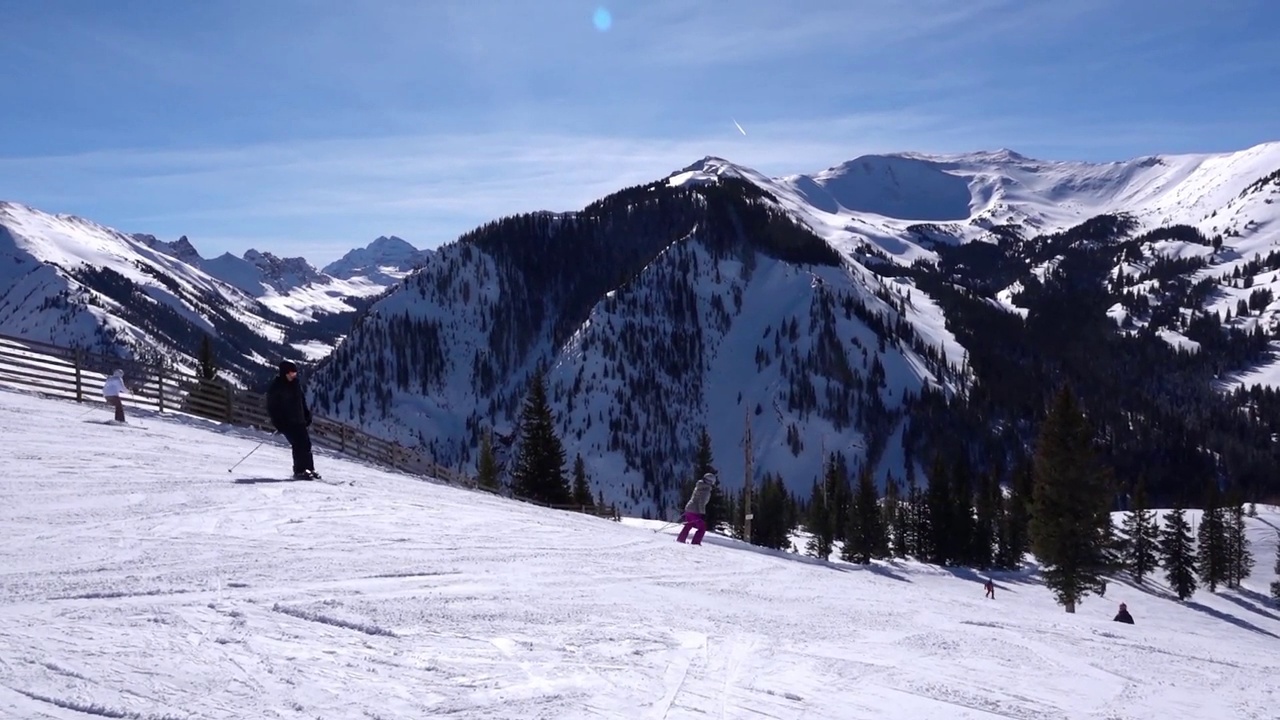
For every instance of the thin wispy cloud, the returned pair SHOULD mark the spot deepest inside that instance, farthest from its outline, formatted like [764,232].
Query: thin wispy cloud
[316,125]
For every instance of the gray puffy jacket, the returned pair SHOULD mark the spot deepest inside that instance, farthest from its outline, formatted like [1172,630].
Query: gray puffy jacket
[701,495]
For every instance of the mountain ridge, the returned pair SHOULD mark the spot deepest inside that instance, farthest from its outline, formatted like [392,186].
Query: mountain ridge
[718,223]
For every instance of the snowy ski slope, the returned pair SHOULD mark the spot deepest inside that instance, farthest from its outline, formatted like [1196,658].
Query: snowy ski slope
[140,579]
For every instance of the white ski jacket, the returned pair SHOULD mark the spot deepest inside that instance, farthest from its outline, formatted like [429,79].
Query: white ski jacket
[114,387]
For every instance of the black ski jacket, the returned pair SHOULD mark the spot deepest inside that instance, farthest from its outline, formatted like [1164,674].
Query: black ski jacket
[287,404]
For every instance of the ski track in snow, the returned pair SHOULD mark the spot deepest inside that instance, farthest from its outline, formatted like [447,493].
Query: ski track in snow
[138,580]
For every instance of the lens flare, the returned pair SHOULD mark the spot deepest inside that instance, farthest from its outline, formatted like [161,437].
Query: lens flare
[603,19]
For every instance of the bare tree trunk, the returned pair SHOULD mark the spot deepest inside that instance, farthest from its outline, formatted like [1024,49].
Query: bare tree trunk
[1071,607]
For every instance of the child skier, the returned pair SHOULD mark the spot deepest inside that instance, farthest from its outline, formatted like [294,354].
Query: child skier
[1123,616]
[112,389]
[696,509]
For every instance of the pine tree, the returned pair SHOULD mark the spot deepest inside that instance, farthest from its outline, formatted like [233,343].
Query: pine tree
[717,514]
[895,519]
[581,488]
[1211,554]
[539,473]
[839,495]
[1179,556]
[919,530]
[773,520]
[1239,558]
[987,508]
[208,370]
[865,538]
[963,525]
[1144,535]
[1069,518]
[1017,517]
[487,465]
[819,523]
[939,516]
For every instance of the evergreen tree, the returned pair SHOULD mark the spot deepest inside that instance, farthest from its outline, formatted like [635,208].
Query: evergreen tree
[819,523]
[895,515]
[1179,555]
[1239,558]
[1069,518]
[987,508]
[919,530]
[1144,535]
[939,516]
[1016,517]
[208,370]
[839,495]
[717,512]
[1211,554]
[963,525]
[865,538]
[539,473]
[774,514]
[487,465]
[581,488]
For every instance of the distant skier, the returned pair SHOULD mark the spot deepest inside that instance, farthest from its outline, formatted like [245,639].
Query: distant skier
[991,589]
[1123,616]
[112,389]
[287,406]
[695,510]
[1102,588]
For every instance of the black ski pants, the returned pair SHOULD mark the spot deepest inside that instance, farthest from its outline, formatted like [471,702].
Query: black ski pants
[300,440]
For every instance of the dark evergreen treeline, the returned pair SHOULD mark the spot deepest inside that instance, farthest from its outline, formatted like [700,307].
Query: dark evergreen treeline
[1160,412]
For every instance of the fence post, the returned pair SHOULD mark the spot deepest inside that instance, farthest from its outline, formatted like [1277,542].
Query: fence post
[79,384]
[342,438]
[229,396]
[160,386]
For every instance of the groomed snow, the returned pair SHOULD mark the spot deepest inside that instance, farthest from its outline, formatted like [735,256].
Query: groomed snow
[140,580]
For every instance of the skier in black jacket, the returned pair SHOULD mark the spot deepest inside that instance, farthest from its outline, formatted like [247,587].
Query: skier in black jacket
[287,407]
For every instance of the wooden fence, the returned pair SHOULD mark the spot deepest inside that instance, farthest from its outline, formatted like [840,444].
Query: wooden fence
[75,374]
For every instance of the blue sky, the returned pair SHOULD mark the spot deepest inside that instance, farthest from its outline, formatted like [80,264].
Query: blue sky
[307,127]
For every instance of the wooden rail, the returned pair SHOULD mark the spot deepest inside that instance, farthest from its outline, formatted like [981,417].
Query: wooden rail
[76,374]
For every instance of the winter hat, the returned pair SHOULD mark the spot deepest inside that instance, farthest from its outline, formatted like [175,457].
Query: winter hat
[1122,606]
[712,478]
[287,366]
[118,373]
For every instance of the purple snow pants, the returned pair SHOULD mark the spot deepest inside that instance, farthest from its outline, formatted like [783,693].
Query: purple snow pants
[693,520]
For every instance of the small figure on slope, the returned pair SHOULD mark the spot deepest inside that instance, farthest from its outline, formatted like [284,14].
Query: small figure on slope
[1123,616]
[287,407]
[990,586]
[112,389]
[696,509]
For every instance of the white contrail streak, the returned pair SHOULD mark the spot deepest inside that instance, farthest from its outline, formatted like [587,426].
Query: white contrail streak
[735,122]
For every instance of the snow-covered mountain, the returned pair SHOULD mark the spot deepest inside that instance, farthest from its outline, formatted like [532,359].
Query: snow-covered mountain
[382,262]
[71,281]
[291,286]
[903,207]
[806,307]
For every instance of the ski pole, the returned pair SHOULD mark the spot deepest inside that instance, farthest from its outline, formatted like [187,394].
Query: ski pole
[669,524]
[246,457]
